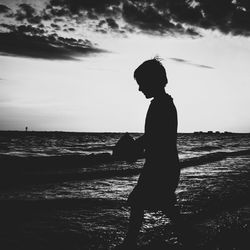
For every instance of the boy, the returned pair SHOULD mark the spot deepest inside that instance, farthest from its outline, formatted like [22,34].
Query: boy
[159,178]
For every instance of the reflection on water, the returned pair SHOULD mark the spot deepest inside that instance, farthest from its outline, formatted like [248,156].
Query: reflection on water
[94,214]
[54,144]
[203,190]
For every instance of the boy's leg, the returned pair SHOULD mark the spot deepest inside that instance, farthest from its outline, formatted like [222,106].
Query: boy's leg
[173,212]
[135,223]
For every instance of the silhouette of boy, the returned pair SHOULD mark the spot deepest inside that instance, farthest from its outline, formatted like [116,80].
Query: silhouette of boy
[155,189]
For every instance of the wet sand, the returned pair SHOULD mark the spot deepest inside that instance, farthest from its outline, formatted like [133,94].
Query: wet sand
[214,200]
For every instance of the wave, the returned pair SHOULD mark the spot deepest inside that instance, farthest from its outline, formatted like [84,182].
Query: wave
[212,157]
[97,148]
[34,170]
[53,162]
[81,161]
[65,204]
[207,208]
[205,148]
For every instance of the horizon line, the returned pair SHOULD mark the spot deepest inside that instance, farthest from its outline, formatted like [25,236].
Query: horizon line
[120,132]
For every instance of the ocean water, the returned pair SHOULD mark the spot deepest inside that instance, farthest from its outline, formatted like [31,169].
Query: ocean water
[48,180]
[65,143]
[37,156]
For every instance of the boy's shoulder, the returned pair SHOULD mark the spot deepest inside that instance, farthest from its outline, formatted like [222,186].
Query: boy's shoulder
[163,100]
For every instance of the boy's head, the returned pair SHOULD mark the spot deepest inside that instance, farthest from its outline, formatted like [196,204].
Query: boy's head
[151,77]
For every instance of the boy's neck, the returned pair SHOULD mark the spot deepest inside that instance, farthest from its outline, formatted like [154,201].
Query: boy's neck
[160,93]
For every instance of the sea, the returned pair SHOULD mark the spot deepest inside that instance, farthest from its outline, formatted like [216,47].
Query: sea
[64,190]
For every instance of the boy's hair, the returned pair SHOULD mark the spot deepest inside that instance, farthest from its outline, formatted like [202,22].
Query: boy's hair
[152,70]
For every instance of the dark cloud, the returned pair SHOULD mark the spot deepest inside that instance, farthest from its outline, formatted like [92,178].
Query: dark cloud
[91,15]
[80,11]
[100,7]
[153,19]
[227,16]
[147,16]
[56,11]
[34,32]
[192,32]
[57,20]
[103,31]
[151,16]
[26,10]
[112,23]
[180,60]
[30,36]
[46,15]
[168,16]
[45,47]
[24,29]
[107,23]
[29,30]
[4,9]
[183,11]
[28,13]
[9,27]
[55,26]
[41,25]
[101,23]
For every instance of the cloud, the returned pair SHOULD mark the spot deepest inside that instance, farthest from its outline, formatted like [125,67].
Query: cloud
[55,26]
[172,17]
[180,60]
[30,30]
[51,11]
[33,26]
[4,9]
[227,16]
[57,20]
[112,23]
[150,18]
[99,7]
[24,29]
[44,47]
[9,27]
[93,15]
[28,13]
[162,16]
[33,33]
[145,16]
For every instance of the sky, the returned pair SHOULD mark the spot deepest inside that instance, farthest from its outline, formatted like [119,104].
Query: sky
[67,65]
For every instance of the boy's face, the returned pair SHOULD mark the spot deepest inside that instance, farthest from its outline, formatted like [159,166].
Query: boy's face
[146,90]
[146,87]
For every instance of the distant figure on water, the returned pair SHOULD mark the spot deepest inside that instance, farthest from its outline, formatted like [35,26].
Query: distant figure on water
[155,189]
[26,129]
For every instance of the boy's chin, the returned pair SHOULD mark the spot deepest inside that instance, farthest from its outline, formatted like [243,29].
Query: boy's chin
[148,96]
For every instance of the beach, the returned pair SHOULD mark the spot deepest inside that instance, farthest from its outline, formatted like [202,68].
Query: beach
[96,95]
[81,206]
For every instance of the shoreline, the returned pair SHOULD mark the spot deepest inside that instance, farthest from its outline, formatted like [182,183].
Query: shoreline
[23,171]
